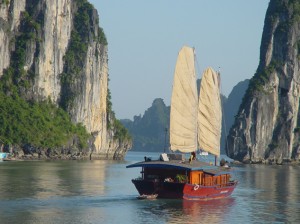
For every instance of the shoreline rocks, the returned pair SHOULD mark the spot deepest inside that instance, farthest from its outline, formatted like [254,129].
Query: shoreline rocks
[27,153]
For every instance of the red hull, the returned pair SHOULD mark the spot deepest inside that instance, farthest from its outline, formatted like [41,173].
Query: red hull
[196,192]
[183,191]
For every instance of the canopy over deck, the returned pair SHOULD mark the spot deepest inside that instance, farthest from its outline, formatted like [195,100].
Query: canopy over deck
[180,165]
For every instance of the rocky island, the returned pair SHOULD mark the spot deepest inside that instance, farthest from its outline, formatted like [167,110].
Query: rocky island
[55,101]
[267,126]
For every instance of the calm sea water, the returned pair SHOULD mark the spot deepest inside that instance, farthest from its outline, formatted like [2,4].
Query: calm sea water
[101,192]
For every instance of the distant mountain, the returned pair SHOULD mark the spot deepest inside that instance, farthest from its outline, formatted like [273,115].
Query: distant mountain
[234,101]
[149,131]
[230,109]
[224,130]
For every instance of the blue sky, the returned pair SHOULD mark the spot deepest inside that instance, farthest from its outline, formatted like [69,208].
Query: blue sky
[144,38]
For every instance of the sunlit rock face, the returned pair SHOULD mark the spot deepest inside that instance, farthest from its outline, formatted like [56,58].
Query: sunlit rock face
[266,129]
[51,24]
[54,43]
[10,16]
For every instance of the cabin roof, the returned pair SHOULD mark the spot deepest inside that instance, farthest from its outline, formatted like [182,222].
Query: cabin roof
[179,165]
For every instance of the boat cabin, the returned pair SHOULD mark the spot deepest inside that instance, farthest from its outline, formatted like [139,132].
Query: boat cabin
[192,180]
[179,171]
[200,177]
[209,178]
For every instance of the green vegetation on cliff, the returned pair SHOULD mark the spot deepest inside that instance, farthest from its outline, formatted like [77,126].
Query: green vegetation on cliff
[76,54]
[114,124]
[42,124]
[282,6]
[4,2]
[258,81]
[37,124]
[16,79]
[24,121]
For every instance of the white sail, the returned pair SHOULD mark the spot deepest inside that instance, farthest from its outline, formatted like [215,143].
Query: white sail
[209,113]
[184,101]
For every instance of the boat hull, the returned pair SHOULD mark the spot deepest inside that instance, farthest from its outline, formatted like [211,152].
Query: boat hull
[162,189]
[173,190]
[196,192]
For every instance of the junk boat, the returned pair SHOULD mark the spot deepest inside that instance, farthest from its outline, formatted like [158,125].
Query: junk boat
[195,124]
[174,178]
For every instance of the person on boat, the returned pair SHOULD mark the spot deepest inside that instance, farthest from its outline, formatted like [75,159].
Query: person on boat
[192,157]
[223,163]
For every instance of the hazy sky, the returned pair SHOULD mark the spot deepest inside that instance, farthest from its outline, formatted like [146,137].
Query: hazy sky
[144,38]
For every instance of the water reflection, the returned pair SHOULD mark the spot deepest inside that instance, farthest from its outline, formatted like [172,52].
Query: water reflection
[47,179]
[270,192]
[101,192]
[213,211]
[183,211]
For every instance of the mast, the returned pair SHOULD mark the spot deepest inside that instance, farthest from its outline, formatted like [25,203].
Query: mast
[196,108]
[166,132]
[219,77]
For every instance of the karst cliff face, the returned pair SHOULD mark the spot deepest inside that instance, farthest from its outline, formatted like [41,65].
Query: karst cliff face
[64,52]
[266,129]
